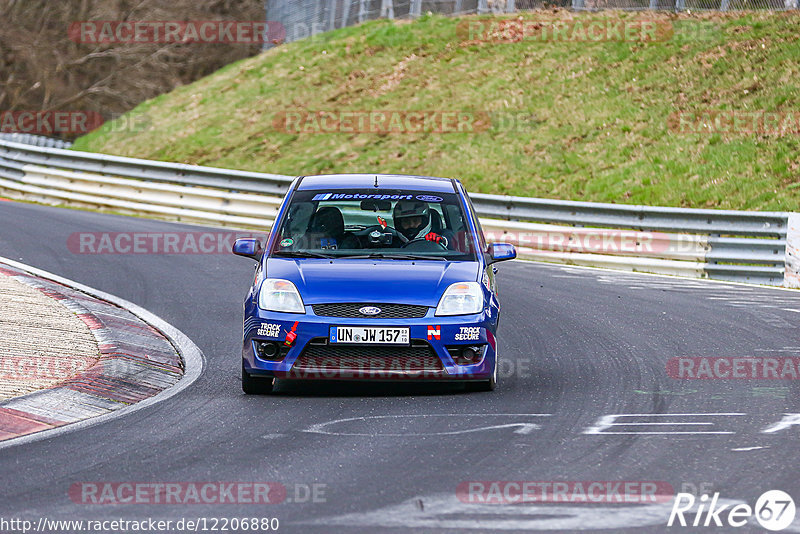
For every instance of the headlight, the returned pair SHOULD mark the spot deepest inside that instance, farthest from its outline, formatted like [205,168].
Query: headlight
[461,298]
[280,296]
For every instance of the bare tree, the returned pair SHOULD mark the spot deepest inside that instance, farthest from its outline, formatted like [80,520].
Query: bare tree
[41,68]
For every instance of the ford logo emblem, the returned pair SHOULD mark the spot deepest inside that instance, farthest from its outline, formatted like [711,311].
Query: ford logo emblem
[369,310]
[429,198]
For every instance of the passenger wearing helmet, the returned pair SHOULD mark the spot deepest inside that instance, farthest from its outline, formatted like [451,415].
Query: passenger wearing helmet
[412,219]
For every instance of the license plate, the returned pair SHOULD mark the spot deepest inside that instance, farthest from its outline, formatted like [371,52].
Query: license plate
[369,334]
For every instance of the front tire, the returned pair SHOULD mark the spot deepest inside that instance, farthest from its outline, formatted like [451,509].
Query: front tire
[255,385]
[485,385]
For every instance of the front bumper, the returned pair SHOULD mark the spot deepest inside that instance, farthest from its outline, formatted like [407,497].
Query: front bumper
[434,352]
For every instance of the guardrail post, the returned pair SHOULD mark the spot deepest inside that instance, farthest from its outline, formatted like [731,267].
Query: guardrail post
[387,9]
[511,6]
[266,44]
[332,14]
[483,7]
[346,14]
[791,275]
[362,10]
[415,10]
[712,261]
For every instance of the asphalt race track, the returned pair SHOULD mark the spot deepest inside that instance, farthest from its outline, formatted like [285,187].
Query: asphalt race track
[578,345]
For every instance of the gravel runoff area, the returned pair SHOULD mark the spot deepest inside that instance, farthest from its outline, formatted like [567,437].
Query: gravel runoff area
[42,342]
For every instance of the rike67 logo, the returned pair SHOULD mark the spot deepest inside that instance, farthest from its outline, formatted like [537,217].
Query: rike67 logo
[774,510]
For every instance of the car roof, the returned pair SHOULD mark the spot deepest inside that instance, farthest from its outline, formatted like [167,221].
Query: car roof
[385,181]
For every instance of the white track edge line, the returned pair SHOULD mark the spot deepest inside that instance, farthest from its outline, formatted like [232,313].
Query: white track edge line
[659,275]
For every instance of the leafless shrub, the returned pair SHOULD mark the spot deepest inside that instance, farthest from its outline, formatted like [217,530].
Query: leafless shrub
[42,69]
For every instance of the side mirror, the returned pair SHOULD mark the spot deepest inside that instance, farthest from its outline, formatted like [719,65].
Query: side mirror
[501,252]
[249,247]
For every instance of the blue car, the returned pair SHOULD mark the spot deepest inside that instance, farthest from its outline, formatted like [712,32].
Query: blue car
[372,277]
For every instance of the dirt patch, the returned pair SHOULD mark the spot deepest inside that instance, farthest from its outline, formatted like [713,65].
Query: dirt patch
[391,81]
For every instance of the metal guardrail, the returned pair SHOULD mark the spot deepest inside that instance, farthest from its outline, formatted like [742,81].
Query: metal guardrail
[744,246]
[654,218]
[311,17]
[156,171]
[722,244]
[36,140]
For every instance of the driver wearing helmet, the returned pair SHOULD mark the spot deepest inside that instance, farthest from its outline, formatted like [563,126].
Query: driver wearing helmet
[412,218]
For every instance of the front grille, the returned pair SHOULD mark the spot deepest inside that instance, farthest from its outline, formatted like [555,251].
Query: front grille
[420,356]
[388,311]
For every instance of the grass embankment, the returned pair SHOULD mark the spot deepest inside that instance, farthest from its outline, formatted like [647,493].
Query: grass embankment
[592,118]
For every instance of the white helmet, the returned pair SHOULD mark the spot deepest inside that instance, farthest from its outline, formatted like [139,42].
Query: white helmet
[406,209]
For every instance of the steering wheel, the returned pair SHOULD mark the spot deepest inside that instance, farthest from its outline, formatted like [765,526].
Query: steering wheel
[382,229]
[442,243]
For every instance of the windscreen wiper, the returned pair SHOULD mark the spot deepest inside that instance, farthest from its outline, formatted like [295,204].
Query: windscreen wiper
[394,256]
[303,254]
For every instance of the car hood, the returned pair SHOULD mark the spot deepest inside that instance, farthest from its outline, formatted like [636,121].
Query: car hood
[371,281]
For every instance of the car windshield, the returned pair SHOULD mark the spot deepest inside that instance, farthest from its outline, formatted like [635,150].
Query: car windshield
[375,223]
